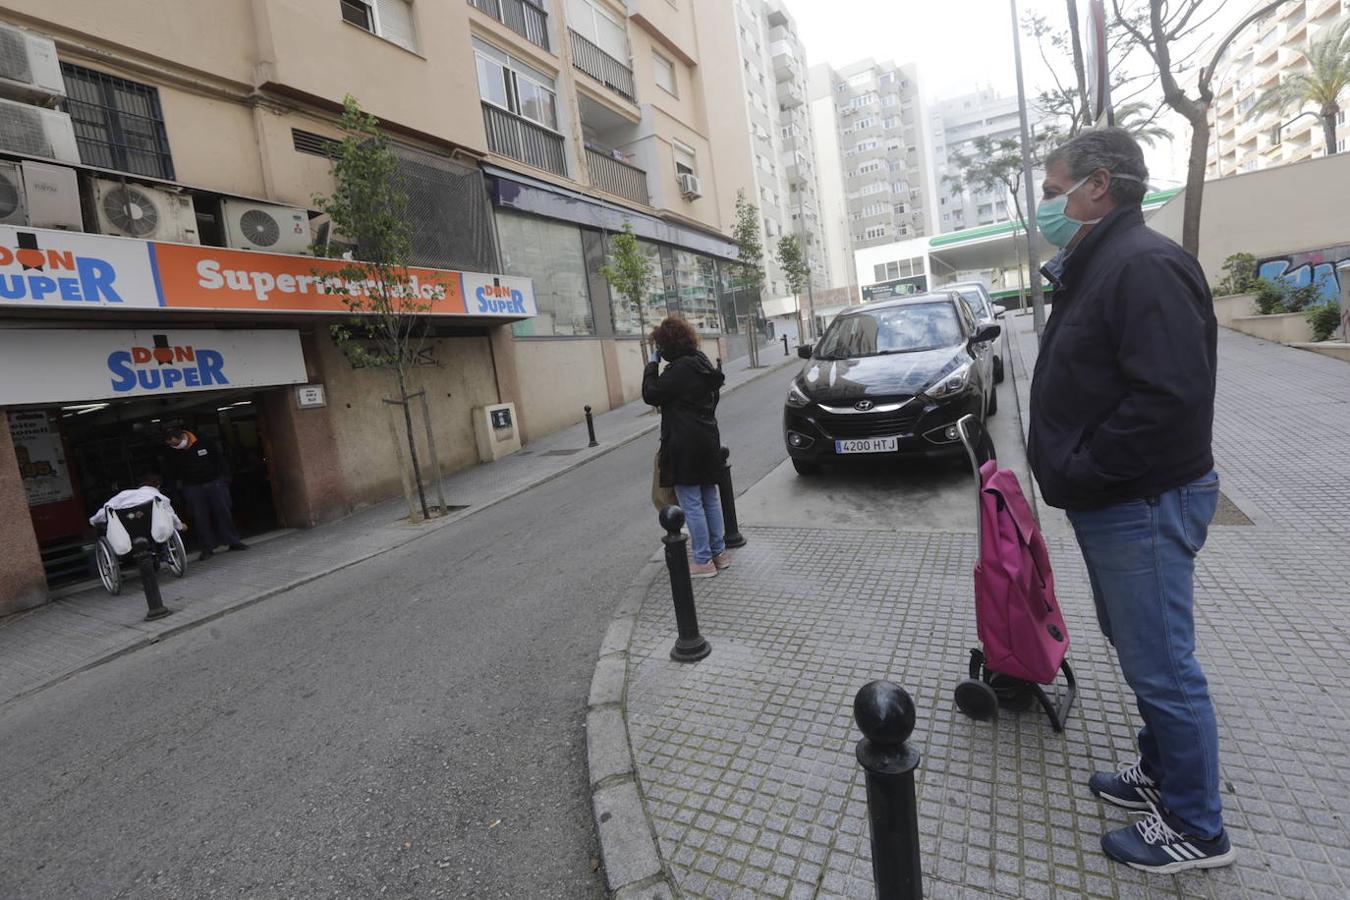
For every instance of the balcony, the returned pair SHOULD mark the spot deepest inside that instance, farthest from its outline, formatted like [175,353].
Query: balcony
[510,135]
[526,19]
[602,67]
[617,177]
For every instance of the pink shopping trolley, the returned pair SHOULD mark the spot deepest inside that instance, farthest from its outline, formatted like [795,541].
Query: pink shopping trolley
[1022,633]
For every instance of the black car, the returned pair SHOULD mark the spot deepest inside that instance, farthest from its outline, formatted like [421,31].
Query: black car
[890,378]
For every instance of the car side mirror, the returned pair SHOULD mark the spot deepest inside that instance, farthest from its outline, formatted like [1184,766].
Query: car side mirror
[804,351]
[999,312]
[986,333]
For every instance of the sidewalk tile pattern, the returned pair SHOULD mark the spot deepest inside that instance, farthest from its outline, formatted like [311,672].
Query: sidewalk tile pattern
[746,758]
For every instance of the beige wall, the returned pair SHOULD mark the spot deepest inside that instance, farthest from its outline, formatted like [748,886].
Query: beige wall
[1301,206]
[461,379]
[557,379]
[22,581]
[723,96]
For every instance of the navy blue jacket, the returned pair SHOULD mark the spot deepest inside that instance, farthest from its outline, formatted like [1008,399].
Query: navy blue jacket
[1122,400]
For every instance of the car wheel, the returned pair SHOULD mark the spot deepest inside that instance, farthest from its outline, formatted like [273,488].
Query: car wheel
[993,403]
[998,370]
[806,468]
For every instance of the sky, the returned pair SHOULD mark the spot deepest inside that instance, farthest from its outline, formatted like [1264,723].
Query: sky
[960,45]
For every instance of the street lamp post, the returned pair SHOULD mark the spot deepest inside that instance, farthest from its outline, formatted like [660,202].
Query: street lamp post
[1033,258]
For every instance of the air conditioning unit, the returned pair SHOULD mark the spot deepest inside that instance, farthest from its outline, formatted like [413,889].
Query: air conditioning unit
[37,195]
[29,69]
[139,211]
[34,131]
[690,186]
[266,227]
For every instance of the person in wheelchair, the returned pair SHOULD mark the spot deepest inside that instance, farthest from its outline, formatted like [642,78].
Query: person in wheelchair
[138,503]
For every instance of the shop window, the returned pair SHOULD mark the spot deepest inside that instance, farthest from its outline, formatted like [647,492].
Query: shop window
[550,253]
[118,123]
[696,280]
[629,319]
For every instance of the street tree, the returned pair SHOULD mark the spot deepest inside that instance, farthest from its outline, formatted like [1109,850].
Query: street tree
[368,207]
[796,269]
[1164,30]
[749,274]
[629,272]
[1321,84]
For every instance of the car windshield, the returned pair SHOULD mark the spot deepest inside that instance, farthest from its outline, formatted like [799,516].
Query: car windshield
[895,329]
[975,303]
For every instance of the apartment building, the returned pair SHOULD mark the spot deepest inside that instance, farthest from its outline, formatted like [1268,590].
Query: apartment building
[955,124]
[880,132]
[774,69]
[1256,61]
[162,161]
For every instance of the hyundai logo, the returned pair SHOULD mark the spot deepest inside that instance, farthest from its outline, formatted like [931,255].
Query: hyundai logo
[863,405]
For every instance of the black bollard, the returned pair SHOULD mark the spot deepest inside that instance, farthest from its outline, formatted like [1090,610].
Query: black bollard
[885,716]
[785,346]
[690,645]
[145,564]
[590,428]
[719,363]
[728,495]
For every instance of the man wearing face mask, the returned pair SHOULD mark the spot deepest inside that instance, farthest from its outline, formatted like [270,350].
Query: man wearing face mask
[200,468]
[1122,409]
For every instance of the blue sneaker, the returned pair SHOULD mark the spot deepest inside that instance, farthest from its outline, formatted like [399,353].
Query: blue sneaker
[1129,788]
[1152,845]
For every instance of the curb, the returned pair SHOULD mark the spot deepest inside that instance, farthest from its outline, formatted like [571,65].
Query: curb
[628,847]
[423,531]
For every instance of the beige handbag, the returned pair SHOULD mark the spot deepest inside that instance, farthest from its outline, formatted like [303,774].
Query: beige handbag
[661,496]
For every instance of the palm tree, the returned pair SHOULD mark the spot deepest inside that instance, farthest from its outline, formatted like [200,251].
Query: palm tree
[1328,73]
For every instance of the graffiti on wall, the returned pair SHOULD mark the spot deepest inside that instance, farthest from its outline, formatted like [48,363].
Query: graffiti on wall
[1328,268]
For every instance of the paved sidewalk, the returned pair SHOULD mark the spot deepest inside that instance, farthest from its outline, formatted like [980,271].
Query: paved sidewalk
[745,759]
[85,628]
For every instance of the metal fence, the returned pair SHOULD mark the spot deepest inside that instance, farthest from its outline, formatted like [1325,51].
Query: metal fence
[510,135]
[529,20]
[616,176]
[602,67]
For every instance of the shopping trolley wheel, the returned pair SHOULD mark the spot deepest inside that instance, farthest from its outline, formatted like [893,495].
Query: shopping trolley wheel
[976,699]
[1012,693]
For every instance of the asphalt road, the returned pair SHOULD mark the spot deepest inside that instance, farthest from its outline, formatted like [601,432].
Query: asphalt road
[410,727]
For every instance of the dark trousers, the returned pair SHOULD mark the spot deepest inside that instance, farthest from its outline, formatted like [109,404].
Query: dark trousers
[208,508]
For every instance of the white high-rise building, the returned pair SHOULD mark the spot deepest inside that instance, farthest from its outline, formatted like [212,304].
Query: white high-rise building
[1256,61]
[955,124]
[774,72]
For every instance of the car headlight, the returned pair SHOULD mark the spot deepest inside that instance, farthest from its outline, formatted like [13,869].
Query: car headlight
[796,398]
[952,384]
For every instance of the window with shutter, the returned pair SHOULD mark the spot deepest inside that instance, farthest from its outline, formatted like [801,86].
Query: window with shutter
[396,22]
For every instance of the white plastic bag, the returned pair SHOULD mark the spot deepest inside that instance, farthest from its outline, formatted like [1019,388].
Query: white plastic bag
[117,534]
[161,522]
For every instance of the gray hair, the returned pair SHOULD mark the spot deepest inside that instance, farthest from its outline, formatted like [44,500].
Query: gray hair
[1112,149]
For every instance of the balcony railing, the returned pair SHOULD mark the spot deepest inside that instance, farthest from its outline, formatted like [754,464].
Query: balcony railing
[510,135]
[526,19]
[616,176]
[602,67]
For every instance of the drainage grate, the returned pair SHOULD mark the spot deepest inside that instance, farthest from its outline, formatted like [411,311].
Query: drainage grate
[562,452]
[1229,514]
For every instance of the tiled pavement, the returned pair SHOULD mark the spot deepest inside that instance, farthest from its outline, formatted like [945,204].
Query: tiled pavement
[87,627]
[746,758]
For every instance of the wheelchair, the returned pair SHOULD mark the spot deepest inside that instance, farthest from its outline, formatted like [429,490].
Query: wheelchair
[136,520]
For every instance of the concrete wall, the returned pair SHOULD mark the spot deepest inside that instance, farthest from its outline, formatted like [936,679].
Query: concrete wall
[557,379]
[1285,328]
[461,378]
[1272,212]
[22,581]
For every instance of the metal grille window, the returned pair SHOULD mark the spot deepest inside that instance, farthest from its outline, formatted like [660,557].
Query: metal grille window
[118,123]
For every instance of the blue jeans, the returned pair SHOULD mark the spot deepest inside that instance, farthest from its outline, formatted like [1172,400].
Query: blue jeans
[1141,561]
[703,514]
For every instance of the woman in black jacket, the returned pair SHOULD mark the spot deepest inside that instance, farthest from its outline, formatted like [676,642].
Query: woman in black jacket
[691,447]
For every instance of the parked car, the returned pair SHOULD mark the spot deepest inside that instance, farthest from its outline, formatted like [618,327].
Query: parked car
[890,378]
[982,307]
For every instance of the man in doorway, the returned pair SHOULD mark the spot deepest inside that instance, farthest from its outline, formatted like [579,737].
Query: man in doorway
[199,466]
[1122,410]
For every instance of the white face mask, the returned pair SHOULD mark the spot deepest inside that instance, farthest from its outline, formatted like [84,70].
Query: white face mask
[181,443]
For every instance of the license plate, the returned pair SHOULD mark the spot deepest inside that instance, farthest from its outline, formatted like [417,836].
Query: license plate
[868,445]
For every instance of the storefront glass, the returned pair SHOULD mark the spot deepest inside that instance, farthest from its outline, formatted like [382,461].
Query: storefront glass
[696,276]
[628,320]
[549,253]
